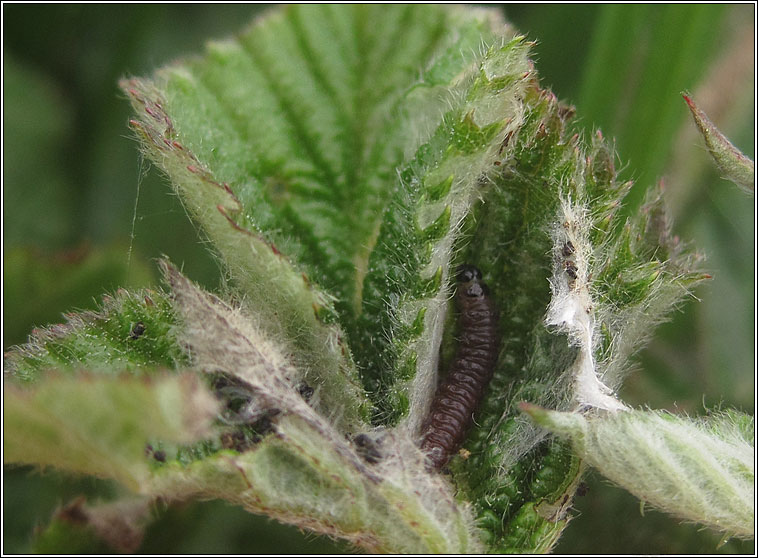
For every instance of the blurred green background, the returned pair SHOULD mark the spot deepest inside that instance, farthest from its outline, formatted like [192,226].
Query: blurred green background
[83,215]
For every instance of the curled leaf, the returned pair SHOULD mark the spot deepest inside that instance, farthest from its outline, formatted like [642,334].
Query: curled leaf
[734,165]
[700,470]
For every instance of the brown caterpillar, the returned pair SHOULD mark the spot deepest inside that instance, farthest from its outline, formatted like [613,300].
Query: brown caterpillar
[457,398]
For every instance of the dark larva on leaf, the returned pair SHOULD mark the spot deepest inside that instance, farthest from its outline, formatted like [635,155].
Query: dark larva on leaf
[236,395]
[266,423]
[305,391]
[158,455]
[571,269]
[367,448]
[471,369]
[137,331]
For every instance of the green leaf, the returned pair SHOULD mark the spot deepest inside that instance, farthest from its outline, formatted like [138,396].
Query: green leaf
[38,285]
[407,288]
[553,201]
[285,151]
[131,331]
[224,339]
[307,474]
[730,161]
[342,161]
[550,198]
[700,470]
[102,425]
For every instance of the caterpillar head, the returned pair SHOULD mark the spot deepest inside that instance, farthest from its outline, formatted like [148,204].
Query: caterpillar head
[470,282]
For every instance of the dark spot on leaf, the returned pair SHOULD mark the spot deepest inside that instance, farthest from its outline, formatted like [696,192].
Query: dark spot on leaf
[137,331]
[305,391]
[367,448]
[571,269]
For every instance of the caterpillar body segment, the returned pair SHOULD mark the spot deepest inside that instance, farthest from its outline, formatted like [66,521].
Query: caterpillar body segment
[457,398]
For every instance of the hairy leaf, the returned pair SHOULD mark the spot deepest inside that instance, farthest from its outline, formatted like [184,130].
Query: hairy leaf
[730,161]
[132,331]
[102,425]
[700,470]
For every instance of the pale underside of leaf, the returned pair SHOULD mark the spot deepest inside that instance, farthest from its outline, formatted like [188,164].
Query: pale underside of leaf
[699,470]
[298,477]
[102,425]
[307,473]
